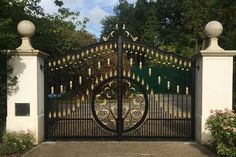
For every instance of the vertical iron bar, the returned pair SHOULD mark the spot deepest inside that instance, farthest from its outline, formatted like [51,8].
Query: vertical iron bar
[119,122]
[192,92]
[46,103]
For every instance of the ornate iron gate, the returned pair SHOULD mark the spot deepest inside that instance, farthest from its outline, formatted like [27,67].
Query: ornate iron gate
[119,90]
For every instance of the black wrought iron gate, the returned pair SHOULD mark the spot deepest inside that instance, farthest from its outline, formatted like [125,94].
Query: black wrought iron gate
[119,90]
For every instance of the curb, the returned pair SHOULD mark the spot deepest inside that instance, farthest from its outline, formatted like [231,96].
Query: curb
[30,151]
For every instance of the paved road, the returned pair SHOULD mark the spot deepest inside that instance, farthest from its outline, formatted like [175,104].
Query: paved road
[118,149]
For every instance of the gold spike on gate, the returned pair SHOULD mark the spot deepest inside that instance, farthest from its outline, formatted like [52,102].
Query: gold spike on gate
[110,74]
[92,87]
[168,84]
[147,87]
[166,58]
[96,49]
[61,88]
[124,73]
[68,111]
[189,64]
[73,108]
[189,114]
[138,48]
[129,73]
[78,104]
[80,80]
[50,115]
[101,47]
[142,82]
[115,73]
[87,52]
[59,114]
[52,90]
[64,112]
[133,46]
[87,92]
[124,45]
[140,65]
[96,81]
[175,113]
[186,90]
[89,71]
[142,49]
[54,114]
[99,65]
[149,71]
[138,79]
[82,98]
[115,45]
[177,89]
[106,76]
[131,61]
[152,52]
[101,78]
[108,61]
[157,54]
[159,79]
[152,91]
[71,84]
[128,46]
[133,76]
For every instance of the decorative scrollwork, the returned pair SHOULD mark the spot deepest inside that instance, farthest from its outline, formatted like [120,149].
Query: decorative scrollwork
[133,104]
[128,34]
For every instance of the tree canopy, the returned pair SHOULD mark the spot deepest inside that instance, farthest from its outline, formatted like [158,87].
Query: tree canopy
[175,25]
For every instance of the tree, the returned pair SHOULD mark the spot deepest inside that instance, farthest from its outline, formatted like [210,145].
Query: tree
[178,24]
[151,28]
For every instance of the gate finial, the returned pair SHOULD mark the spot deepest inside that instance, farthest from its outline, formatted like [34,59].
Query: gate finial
[213,30]
[119,30]
[26,29]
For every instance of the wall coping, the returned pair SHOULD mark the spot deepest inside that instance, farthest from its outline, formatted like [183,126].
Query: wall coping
[216,53]
[31,52]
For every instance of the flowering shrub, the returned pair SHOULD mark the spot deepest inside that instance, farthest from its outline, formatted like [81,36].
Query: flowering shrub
[16,142]
[222,126]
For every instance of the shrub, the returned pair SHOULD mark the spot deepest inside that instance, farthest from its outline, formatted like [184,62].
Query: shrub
[16,142]
[222,126]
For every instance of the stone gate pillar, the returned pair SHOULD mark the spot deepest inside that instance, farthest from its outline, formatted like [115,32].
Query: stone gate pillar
[25,107]
[214,80]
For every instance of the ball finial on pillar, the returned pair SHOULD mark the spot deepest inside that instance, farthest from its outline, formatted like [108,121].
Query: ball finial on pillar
[26,29]
[213,30]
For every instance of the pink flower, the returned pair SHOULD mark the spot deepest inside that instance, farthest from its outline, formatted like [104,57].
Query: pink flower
[216,110]
[29,130]
[226,109]
[211,111]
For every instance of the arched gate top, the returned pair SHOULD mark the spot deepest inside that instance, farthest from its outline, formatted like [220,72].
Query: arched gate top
[89,52]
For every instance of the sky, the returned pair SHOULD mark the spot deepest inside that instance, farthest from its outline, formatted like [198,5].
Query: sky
[95,10]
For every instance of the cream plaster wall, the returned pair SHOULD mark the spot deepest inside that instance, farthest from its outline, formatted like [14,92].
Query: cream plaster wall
[30,90]
[214,86]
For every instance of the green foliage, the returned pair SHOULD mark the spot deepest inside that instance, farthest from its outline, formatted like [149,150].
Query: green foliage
[222,126]
[174,25]
[16,143]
